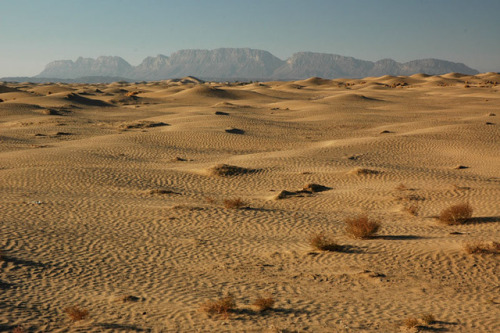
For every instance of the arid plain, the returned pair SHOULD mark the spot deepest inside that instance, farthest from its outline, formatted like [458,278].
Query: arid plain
[115,199]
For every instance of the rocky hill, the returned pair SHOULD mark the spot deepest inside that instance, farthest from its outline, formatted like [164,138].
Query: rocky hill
[244,63]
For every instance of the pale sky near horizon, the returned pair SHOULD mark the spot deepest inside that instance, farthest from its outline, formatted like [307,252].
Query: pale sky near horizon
[34,33]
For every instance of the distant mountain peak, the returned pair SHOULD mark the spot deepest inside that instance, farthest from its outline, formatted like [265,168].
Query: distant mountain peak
[245,64]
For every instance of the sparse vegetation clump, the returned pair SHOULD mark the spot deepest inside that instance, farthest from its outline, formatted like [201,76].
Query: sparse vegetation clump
[264,303]
[428,318]
[19,329]
[324,243]
[364,171]
[412,209]
[222,307]
[361,227]
[401,187]
[457,214]
[237,203]
[76,313]
[411,322]
[142,124]
[225,170]
[313,188]
[482,248]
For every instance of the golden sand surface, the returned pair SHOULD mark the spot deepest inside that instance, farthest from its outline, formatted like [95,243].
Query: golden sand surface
[121,199]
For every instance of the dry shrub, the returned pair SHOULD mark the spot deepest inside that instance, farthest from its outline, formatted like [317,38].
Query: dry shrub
[457,214]
[19,329]
[412,209]
[210,200]
[225,170]
[482,248]
[401,187]
[411,322]
[313,188]
[221,307]
[323,243]
[363,171]
[428,318]
[361,227]
[264,303]
[141,124]
[76,313]
[237,203]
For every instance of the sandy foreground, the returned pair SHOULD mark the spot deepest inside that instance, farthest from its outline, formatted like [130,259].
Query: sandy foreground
[110,202]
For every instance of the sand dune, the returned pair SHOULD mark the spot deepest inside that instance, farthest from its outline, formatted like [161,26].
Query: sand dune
[141,202]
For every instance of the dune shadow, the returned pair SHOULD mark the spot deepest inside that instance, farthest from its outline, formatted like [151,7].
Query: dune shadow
[5,285]
[86,101]
[7,327]
[399,237]
[110,326]
[22,262]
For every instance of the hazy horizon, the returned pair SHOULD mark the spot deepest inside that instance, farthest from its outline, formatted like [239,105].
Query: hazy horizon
[36,33]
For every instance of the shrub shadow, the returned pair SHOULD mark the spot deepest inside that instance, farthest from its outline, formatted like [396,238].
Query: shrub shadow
[110,326]
[483,219]
[398,237]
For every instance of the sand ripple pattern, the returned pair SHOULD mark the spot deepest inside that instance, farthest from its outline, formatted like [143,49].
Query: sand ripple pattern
[91,212]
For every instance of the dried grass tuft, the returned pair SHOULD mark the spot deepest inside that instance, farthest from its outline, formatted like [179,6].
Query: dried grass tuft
[428,318]
[323,243]
[482,248]
[76,313]
[457,214]
[264,303]
[222,307]
[237,203]
[361,227]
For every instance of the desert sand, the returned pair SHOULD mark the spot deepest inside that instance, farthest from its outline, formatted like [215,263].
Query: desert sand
[117,199]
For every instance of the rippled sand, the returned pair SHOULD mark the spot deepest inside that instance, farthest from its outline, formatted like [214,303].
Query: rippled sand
[110,191]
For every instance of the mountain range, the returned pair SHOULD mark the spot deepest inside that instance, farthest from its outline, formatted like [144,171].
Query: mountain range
[243,64]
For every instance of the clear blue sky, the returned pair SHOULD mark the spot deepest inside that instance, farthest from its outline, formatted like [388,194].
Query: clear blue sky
[35,32]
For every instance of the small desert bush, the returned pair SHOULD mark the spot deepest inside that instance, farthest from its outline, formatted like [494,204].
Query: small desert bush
[457,214]
[323,243]
[411,209]
[401,187]
[19,329]
[76,313]
[482,248]
[428,318]
[221,307]
[234,203]
[225,170]
[210,200]
[264,303]
[411,322]
[361,227]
